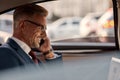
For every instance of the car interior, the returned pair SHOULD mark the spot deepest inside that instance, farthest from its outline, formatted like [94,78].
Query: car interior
[88,57]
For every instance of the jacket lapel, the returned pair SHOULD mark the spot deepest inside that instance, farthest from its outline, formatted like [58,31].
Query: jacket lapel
[18,50]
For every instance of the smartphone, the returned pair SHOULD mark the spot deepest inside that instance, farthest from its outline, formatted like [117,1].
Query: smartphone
[42,41]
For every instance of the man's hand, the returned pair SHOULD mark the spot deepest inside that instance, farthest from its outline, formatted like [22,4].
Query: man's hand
[46,47]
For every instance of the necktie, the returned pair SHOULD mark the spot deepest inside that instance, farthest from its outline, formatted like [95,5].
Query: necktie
[34,57]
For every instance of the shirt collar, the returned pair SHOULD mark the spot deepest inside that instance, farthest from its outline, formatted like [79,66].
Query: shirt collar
[22,44]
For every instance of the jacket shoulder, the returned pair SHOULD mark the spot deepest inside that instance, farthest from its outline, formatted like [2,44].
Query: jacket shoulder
[7,58]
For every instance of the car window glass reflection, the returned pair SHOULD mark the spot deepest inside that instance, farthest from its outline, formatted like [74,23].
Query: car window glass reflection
[79,24]
[63,24]
[69,21]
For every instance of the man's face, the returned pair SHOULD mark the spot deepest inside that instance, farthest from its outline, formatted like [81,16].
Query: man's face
[34,30]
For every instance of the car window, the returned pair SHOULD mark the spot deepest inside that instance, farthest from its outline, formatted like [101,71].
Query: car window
[63,24]
[73,21]
[93,23]
[8,23]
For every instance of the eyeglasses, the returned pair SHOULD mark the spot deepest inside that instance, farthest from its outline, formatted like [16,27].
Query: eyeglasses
[42,27]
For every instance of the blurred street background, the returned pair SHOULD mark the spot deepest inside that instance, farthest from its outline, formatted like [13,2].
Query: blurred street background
[73,19]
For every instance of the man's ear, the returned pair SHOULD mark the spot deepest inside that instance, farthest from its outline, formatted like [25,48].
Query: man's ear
[21,26]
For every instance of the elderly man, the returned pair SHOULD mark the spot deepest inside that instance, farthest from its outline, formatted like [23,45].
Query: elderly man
[28,32]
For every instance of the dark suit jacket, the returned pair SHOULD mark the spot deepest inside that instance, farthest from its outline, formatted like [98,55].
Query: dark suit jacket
[11,55]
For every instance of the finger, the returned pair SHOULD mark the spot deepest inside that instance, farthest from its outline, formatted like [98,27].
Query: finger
[44,35]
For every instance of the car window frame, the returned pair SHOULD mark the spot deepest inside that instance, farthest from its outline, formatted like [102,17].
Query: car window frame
[79,46]
[115,13]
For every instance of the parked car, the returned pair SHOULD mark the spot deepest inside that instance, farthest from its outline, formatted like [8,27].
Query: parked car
[106,24]
[63,27]
[4,36]
[6,22]
[88,25]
